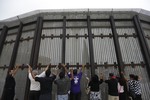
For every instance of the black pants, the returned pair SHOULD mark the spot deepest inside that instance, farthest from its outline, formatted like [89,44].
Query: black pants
[122,96]
[76,96]
[9,94]
[138,97]
[34,95]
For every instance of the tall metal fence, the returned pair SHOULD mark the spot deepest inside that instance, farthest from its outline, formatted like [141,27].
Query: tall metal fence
[102,41]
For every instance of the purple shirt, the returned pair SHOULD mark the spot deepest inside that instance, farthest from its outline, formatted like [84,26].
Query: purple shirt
[75,83]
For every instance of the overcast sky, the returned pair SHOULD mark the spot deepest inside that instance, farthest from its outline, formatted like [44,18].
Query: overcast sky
[11,8]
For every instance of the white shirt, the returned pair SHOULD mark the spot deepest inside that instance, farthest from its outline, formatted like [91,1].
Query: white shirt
[35,86]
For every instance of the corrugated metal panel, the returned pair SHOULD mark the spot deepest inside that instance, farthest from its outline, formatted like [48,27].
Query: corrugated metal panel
[11,37]
[3,74]
[11,31]
[50,49]
[145,25]
[74,31]
[100,24]
[21,78]
[128,31]
[24,50]
[6,54]
[29,27]
[76,23]
[49,32]
[77,51]
[104,50]
[52,24]
[124,24]
[130,50]
[99,31]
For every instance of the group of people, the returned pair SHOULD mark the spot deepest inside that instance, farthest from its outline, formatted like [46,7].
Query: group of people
[67,82]
[68,85]
[118,88]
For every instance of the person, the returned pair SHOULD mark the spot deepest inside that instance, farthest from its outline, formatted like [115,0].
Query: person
[46,84]
[75,90]
[122,86]
[137,88]
[34,92]
[94,87]
[9,89]
[63,86]
[112,87]
[131,85]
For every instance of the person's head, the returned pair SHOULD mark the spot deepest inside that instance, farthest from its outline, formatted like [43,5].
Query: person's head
[11,72]
[136,78]
[111,75]
[61,75]
[95,78]
[132,76]
[48,72]
[75,72]
[34,72]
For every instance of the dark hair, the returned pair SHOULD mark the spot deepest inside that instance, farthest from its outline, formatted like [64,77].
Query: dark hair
[132,76]
[75,72]
[61,75]
[48,72]
[95,78]
[111,74]
[136,77]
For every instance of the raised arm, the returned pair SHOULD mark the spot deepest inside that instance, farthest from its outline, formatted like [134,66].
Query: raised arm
[15,70]
[101,78]
[82,68]
[64,66]
[72,76]
[31,76]
[43,73]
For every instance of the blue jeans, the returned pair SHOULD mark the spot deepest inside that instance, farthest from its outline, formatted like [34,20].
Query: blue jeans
[62,97]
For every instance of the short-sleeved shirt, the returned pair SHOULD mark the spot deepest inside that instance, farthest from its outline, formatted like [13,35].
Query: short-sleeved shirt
[75,83]
[112,87]
[34,85]
[46,83]
[63,85]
